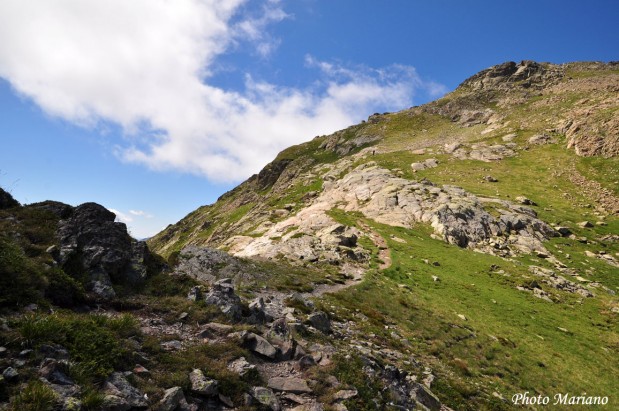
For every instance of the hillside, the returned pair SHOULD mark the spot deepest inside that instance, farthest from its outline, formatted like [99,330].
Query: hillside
[480,230]
[447,256]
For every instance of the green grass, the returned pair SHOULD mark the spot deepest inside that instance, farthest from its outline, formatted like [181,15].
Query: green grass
[510,341]
[94,341]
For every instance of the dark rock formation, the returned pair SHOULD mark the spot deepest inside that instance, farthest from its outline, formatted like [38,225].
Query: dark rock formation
[525,74]
[92,243]
[7,200]
[269,174]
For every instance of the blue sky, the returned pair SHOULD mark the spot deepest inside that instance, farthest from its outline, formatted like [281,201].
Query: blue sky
[153,108]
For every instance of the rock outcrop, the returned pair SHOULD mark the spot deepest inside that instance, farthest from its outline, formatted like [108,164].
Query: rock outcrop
[92,242]
[457,216]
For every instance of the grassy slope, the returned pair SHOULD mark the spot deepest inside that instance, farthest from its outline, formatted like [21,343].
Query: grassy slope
[510,340]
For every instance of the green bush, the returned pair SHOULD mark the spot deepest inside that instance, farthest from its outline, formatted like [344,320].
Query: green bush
[63,290]
[94,341]
[21,282]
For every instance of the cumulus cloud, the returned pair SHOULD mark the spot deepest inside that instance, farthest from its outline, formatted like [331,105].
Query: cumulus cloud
[121,217]
[140,213]
[139,222]
[146,65]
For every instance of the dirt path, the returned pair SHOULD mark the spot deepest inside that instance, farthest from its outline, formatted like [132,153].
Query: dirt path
[384,254]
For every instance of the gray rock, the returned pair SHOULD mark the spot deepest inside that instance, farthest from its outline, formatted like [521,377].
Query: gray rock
[118,385]
[223,296]
[425,397]
[585,224]
[259,345]
[172,398]
[209,265]
[195,293]
[343,395]
[92,242]
[320,321]
[266,397]
[450,148]
[305,362]
[55,371]
[564,231]
[114,403]
[257,313]
[202,385]
[10,374]
[290,384]
[540,139]
[3,351]
[526,201]
[240,366]
[280,329]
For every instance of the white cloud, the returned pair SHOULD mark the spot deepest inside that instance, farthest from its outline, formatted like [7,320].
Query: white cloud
[140,213]
[146,64]
[121,217]
[139,222]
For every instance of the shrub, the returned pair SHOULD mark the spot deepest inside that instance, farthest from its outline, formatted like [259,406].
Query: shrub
[63,290]
[36,396]
[94,341]
[20,280]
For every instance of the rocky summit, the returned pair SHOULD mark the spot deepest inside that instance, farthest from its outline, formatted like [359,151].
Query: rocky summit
[447,256]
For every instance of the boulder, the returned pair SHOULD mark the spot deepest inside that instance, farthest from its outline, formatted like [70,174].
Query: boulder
[266,397]
[171,400]
[257,313]
[55,372]
[195,293]
[320,321]
[223,296]
[202,385]
[92,242]
[240,366]
[425,397]
[114,403]
[526,201]
[118,385]
[289,384]
[259,345]
[10,374]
